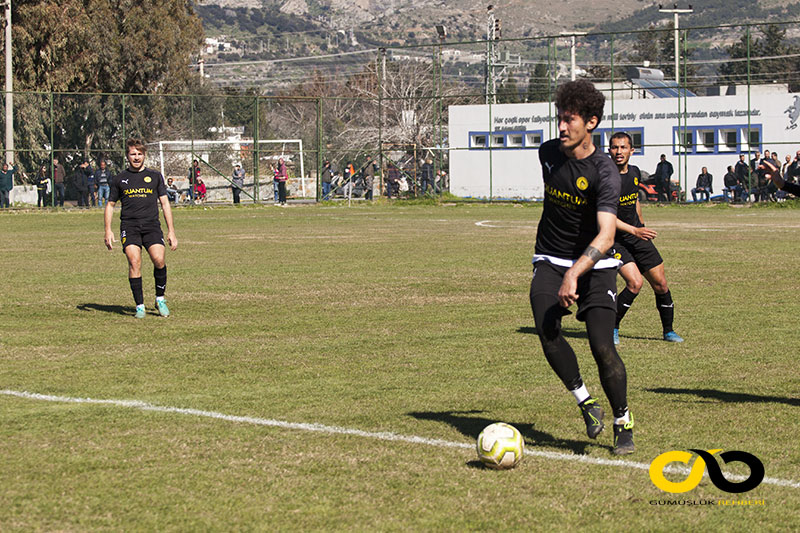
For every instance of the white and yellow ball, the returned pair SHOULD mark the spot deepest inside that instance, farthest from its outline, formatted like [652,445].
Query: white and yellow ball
[500,446]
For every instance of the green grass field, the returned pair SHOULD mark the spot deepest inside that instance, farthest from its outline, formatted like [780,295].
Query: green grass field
[409,319]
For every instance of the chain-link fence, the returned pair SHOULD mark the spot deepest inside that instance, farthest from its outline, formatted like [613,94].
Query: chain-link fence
[466,117]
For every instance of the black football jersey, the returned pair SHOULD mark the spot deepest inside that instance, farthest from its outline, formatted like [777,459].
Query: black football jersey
[139,193]
[628,194]
[575,190]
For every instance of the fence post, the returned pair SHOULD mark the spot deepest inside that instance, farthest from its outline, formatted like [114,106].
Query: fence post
[380,116]
[256,189]
[749,125]
[319,149]
[52,153]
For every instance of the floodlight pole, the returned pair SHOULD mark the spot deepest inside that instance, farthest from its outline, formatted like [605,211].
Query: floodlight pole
[676,11]
[9,89]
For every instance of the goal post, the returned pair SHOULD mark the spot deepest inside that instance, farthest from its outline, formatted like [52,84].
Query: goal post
[218,157]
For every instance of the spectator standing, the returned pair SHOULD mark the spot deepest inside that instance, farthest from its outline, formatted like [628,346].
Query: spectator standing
[194,175]
[444,183]
[102,178]
[392,180]
[767,187]
[42,183]
[663,176]
[742,171]
[92,185]
[59,174]
[703,185]
[368,171]
[327,179]
[238,182]
[755,162]
[787,163]
[793,172]
[428,176]
[6,184]
[281,175]
[82,183]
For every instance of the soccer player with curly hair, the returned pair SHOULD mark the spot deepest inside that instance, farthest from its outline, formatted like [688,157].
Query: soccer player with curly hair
[571,263]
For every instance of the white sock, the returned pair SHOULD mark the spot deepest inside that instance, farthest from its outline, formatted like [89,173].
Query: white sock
[159,298]
[581,394]
[623,420]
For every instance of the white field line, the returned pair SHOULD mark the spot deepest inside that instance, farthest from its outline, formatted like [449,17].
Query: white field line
[378,435]
[679,225]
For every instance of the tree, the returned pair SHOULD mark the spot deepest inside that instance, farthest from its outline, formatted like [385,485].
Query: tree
[508,92]
[538,84]
[99,46]
[771,44]
[645,49]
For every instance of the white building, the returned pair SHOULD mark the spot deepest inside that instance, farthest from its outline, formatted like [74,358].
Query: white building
[494,148]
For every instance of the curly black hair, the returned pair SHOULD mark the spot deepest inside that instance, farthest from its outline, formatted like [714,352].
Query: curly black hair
[581,97]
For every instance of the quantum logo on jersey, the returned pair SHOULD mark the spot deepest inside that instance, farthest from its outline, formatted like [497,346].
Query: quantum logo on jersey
[628,199]
[564,199]
[706,458]
[140,192]
[582,183]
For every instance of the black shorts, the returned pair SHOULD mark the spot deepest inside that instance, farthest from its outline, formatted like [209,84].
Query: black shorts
[596,288]
[131,233]
[634,250]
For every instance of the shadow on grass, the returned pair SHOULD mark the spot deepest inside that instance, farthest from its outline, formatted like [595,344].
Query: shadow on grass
[581,334]
[115,309]
[471,426]
[574,334]
[729,397]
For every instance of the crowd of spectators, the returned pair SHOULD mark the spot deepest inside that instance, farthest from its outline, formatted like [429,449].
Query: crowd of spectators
[744,181]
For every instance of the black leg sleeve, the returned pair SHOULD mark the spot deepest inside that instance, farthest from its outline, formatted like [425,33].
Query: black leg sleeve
[613,377]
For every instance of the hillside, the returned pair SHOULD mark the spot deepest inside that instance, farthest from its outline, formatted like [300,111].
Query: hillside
[261,30]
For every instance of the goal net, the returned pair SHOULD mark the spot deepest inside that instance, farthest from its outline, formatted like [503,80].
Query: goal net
[217,159]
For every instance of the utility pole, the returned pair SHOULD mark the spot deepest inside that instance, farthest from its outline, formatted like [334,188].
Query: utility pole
[573,67]
[489,86]
[676,11]
[9,89]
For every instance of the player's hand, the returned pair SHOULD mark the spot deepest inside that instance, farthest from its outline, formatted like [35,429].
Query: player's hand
[110,240]
[172,240]
[568,292]
[646,234]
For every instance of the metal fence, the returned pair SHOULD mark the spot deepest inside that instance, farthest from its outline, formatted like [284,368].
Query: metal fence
[392,104]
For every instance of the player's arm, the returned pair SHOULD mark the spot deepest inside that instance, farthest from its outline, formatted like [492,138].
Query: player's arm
[643,233]
[639,211]
[606,223]
[172,240]
[771,172]
[108,216]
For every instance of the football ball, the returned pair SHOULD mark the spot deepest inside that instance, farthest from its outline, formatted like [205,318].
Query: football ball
[500,446]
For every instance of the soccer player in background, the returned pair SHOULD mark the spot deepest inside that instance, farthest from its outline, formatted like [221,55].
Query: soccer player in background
[571,263]
[140,190]
[634,244]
